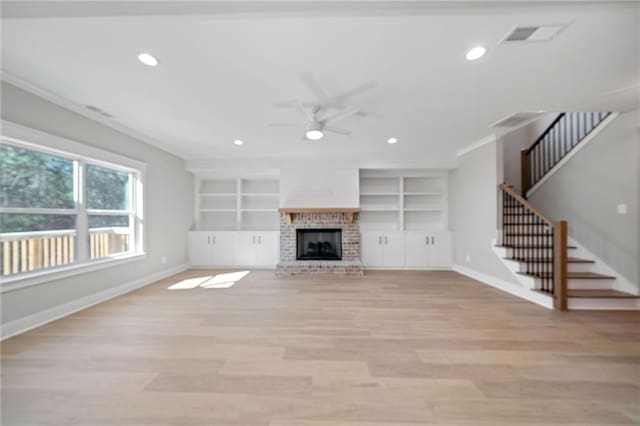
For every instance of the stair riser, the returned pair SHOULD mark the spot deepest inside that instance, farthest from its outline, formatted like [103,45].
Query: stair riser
[506,252]
[572,267]
[622,304]
[573,284]
[529,241]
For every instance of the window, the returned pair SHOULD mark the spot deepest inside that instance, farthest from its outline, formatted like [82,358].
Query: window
[62,210]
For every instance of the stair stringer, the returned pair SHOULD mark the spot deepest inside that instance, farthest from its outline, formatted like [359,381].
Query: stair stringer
[601,267]
[584,142]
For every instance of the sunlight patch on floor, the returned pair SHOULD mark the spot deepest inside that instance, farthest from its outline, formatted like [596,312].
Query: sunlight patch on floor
[225,280]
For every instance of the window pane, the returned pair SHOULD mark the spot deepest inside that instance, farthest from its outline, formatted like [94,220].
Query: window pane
[31,242]
[20,222]
[108,235]
[107,189]
[34,179]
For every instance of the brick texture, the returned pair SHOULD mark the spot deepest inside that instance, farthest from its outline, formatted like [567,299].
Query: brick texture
[350,263]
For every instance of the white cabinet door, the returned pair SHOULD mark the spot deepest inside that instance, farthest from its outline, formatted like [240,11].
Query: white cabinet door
[244,248]
[393,249]
[267,248]
[417,249]
[371,248]
[222,248]
[441,256]
[200,249]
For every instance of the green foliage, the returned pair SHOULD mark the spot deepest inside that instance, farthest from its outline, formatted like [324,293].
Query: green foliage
[32,179]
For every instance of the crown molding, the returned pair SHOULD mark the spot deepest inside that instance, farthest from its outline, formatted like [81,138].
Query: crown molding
[477,144]
[67,104]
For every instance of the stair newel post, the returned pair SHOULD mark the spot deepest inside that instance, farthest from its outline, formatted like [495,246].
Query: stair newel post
[560,265]
[525,172]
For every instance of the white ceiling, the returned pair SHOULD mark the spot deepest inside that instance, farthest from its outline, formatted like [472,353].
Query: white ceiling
[220,73]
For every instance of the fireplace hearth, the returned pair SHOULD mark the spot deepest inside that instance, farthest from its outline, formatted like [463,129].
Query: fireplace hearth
[318,244]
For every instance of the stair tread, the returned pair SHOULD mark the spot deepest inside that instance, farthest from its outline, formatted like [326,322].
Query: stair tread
[601,294]
[573,275]
[548,260]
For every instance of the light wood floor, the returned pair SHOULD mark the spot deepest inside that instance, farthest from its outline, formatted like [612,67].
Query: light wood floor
[392,348]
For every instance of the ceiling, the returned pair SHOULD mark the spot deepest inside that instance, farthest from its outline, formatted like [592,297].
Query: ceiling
[224,64]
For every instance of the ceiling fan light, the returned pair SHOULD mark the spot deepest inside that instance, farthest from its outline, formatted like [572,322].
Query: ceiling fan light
[314,134]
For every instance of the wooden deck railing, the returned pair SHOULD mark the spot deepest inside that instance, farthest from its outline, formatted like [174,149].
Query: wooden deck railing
[31,251]
[107,241]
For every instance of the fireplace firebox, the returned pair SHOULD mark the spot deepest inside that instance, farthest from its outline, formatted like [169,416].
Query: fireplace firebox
[318,244]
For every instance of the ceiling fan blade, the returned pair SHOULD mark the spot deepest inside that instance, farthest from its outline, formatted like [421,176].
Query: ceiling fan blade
[305,112]
[340,98]
[332,118]
[308,79]
[337,130]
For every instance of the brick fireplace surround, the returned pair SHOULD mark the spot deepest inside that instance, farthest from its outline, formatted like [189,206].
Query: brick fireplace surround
[350,263]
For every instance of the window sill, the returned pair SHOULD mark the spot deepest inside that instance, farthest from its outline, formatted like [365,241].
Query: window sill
[17,282]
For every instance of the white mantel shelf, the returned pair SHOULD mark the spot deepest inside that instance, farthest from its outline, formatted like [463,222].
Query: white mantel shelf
[290,211]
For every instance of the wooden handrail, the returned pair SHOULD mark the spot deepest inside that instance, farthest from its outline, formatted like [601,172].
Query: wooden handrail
[522,224]
[508,189]
[541,137]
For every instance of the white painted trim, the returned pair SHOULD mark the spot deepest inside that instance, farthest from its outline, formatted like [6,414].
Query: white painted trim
[66,103]
[44,276]
[603,304]
[591,136]
[514,289]
[15,327]
[57,145]
[601,267]
[477,144]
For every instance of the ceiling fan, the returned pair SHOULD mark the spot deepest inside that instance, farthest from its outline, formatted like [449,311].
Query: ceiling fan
[321,113]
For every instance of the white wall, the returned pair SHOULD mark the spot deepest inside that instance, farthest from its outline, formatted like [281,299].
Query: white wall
[587,189]
[514,142]
[318,186]
[473,207]
[168,205]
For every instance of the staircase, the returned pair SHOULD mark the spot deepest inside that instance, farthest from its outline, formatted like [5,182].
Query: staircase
[559,139]
[535,248]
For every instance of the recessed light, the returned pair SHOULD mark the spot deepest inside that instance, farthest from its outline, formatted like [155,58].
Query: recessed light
[476,53]
[148,59]
[392,140]
[238,142]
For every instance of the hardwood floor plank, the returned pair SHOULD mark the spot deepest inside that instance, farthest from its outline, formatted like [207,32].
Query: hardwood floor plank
[401,348]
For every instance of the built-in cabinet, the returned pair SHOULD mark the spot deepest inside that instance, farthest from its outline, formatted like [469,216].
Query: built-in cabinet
[236,222]
[403,219]
[382,249]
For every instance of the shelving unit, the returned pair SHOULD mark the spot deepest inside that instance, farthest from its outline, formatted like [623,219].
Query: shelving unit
[237,203]
[403,200]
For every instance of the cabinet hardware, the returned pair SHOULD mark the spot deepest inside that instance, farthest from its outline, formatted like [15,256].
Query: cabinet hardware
[259,239]
[254,239]
[385,239]
[432,240]
[380,240]
[426,240]
[214,239]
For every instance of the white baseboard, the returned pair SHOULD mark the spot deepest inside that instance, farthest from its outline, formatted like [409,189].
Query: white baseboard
[21,325]
[514,289]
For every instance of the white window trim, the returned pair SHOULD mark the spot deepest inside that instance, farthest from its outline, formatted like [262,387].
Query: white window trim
[44,142]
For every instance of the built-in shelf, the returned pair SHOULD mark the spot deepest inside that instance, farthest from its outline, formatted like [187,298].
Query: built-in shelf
[237,203]
[403,200]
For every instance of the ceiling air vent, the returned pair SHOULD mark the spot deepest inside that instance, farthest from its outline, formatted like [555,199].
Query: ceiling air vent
[533,33]
[98,111]
[516,119]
